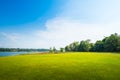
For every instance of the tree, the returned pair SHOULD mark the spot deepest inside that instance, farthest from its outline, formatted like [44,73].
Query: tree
[85,46]
[62,50]
[112,43]
[54,49]
[50,50]
[108,44]
[67,48]
[72,47]
[98,46]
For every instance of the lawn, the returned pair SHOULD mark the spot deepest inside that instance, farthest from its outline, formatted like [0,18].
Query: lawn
[63,66]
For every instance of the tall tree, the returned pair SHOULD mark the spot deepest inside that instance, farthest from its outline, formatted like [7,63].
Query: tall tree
[98,46]
[112,43]
[62,49]
[85,46]
[72,47]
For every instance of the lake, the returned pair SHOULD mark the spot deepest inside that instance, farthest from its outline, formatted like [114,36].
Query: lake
[12,53]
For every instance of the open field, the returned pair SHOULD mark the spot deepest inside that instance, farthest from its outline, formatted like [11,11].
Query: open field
[64,66]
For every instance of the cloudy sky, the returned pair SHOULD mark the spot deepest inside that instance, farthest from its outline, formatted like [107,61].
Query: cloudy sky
[48,23]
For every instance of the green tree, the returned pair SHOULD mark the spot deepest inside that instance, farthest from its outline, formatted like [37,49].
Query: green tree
[67,48]
[50,50]
[112,43]
[54,49]
[98,46]
[62,50]
[85,46]
[108,44]
[72,47]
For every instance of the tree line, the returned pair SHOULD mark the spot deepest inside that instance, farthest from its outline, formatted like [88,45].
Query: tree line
[22,50]
[107,44]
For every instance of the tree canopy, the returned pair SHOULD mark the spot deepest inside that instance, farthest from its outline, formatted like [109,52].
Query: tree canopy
[107,44]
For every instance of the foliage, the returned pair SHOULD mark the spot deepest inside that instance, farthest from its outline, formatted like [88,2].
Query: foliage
[22,50]
[62,50]
[98,46]
[112,43]
[72,47]
[50,50]
[84,46]
[53,50]
[108,44]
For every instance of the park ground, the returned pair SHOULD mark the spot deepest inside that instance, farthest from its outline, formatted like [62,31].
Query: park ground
[62,66]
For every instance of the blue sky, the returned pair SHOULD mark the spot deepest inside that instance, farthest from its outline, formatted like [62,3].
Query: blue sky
[48,23]
[21,12]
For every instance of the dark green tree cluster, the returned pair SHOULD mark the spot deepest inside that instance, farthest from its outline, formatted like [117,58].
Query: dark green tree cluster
[72,47]
[53,50]
[108,44]
[84,46]
[22,50]
[62,50]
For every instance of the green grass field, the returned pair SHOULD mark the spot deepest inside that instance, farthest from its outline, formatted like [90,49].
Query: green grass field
[64,66]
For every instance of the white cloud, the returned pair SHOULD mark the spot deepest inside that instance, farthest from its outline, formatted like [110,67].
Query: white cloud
[12,37]
[82,20]
[99,11]
[9,39]
[60,31]
[78,20]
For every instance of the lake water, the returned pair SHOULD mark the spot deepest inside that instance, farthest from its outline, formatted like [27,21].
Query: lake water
[12,53]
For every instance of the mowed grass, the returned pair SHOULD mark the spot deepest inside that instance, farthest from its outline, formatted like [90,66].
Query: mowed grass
[63,66]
